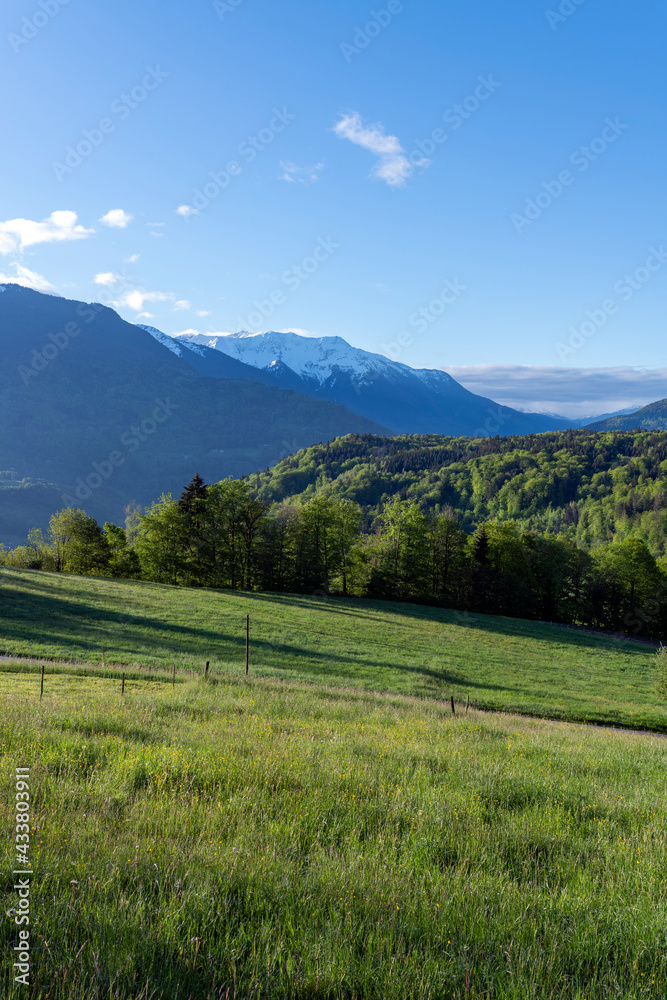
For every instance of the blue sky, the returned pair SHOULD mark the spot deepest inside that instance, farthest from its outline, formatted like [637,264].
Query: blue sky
[337,208]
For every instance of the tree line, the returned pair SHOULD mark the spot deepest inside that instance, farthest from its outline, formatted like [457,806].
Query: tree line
[225,535]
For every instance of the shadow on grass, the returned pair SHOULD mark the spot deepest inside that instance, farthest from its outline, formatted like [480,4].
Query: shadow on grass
[360,610]
[512,627]
[84,630]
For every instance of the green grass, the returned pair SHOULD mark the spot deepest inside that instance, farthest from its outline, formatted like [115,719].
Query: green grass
[501,663]
[271,839]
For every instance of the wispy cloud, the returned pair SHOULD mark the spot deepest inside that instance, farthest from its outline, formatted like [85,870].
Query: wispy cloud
[393,165]
[572,392]
[181,305]
[186,210]
[133,259]
[116,218]
[17,234]
[27,278]
[203,312]
[301,175]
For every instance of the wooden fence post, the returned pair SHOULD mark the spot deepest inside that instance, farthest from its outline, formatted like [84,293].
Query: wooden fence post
[122,686]
[206,671]
[453,711]
[173,679]
[41,684]
[247,642]
[467,704]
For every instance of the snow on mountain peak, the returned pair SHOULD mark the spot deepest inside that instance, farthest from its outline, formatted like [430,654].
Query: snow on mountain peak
[315,360]
[312,358]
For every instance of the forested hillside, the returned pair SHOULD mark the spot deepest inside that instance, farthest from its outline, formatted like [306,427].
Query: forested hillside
[589,487]
[561,527]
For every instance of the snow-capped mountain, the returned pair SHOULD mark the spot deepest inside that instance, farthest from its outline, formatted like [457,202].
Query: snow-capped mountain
[313,359]
[408,400]
[208,361]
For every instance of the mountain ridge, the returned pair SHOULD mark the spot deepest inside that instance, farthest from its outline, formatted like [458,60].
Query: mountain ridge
[408,400]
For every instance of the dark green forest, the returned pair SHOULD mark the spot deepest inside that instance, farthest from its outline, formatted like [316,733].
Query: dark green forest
[563,527]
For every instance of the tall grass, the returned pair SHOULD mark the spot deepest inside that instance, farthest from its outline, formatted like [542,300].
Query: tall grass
[270,839]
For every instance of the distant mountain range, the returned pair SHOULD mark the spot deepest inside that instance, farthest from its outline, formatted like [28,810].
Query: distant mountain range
[98,412]
[408,400]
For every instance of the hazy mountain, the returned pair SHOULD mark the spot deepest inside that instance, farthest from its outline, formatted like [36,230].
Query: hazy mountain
[581,422]
[649,418]
[109,414]
[409,400]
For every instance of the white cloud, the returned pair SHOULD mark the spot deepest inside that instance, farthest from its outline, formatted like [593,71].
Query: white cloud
[181,304]
[572,392]
[116,218]
[203,312]
[135,299]
[186,210]
[133,259]
[7,242]
[144,315]
[393,166]
[304,175]
[29,279]
[153,233]
[187,333]
[106,278]
[17,234]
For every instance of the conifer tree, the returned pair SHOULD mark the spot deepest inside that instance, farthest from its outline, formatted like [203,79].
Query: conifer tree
[192,507]
[193,496]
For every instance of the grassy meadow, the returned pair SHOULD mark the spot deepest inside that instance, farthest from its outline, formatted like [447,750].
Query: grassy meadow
[265,838]
[500,663]
[325,829]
